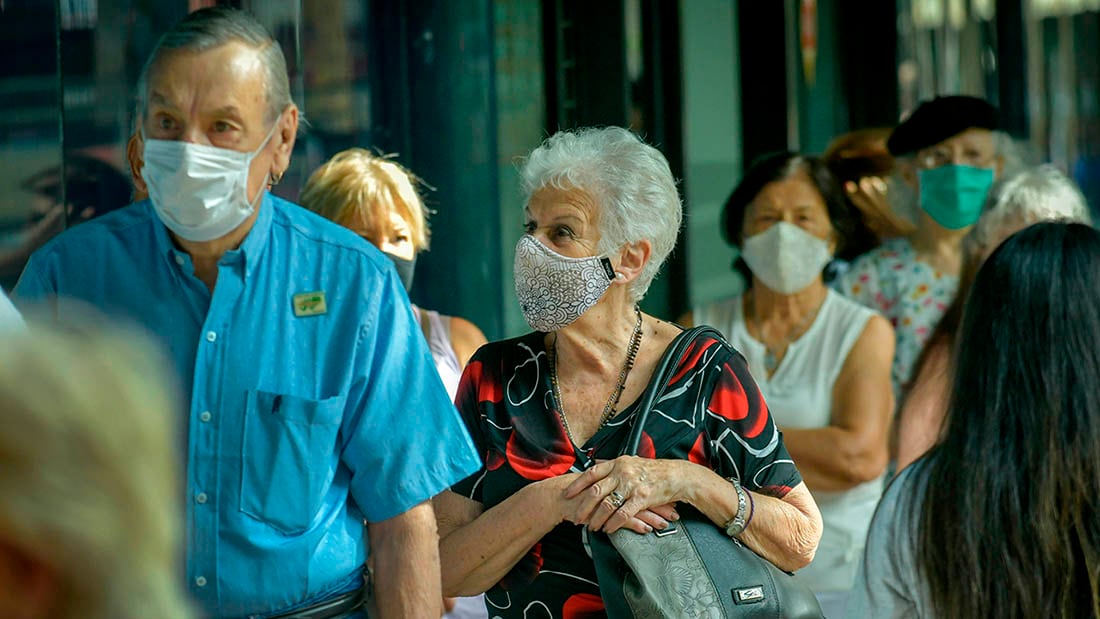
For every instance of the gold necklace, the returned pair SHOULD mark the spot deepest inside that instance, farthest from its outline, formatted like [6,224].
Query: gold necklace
[609,409]
[772,353]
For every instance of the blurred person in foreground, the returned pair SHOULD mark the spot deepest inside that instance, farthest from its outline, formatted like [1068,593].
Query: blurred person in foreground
[822,361]
[311,399]
[378,199]
[949,156]
[90,516]
[1000,518]
[550,410]
[1033,195]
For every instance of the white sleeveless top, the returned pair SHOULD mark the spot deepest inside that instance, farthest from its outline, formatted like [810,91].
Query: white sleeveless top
[800,395]
[443,352]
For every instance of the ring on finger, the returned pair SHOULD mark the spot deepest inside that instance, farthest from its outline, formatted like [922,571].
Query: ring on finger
[616,499]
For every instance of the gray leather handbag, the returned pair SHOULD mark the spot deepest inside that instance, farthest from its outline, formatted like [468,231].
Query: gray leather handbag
[691,569]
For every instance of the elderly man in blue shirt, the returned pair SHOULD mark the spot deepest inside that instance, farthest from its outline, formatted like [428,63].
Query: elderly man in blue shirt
[313,402]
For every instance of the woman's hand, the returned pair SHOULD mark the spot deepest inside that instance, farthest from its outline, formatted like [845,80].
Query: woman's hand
[637,493]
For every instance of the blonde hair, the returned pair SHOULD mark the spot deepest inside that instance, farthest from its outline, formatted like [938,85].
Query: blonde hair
[88,472]
[357,189]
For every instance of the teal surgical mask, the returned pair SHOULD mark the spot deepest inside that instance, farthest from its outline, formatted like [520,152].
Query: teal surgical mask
[953,194]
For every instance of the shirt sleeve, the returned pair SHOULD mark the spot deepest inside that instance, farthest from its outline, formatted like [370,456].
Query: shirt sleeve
[402,438]
[469,408]
[885,584]
[743,440]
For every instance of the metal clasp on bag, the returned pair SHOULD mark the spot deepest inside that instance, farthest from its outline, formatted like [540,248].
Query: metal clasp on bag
[748,595]
[671,529]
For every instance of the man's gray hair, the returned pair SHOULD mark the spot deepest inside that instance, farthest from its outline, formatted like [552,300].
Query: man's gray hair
[213,27]
[629,180]
[1041,193]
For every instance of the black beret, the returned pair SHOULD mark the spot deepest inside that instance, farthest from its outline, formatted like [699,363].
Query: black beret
[941,118]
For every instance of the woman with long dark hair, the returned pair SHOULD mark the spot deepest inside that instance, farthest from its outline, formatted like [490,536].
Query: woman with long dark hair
[1001,518]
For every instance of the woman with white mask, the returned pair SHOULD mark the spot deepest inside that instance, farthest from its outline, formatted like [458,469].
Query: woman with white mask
[551,410]
[822,362]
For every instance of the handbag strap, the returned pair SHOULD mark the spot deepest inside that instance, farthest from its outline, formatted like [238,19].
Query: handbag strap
[661,375]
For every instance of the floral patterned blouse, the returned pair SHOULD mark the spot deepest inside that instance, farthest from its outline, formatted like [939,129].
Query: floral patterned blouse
[911,293]
[710,413]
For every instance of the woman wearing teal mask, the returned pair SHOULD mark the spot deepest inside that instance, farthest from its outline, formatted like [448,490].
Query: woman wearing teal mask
[948,155]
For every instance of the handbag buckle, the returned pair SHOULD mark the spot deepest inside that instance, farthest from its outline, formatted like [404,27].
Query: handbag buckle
[671,529]
[748,595]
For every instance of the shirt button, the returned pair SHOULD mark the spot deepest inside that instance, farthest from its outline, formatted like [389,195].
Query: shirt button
[201,497]
[179,260]
[211,336]
[201,581]
[205,416]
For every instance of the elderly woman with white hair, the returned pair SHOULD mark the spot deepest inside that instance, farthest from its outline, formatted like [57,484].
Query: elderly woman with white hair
[550,411]
[1034,195]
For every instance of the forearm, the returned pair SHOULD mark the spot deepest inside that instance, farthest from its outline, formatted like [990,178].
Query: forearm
[477,555]
[834,459]
[784,533]
[406,564]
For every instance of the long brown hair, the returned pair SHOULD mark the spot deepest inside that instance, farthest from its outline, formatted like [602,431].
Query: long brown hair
[1007,512]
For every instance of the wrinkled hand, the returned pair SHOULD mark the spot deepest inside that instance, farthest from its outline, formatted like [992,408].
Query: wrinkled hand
[637,493]
[869,196]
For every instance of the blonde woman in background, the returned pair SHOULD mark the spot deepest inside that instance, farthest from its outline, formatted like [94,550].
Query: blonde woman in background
[90,516]
[377,199]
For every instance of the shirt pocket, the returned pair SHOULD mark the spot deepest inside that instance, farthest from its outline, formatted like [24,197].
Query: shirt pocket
[288,457]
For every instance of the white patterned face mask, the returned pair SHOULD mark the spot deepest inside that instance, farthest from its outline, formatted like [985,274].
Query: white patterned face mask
[785,257]
[554,290]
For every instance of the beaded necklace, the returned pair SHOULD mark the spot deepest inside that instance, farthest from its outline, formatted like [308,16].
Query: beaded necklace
[610,408]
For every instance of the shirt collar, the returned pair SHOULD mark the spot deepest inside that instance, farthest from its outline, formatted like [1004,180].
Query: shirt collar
[247,255]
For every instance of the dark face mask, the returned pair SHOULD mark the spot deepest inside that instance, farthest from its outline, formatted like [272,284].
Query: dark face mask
[405,269]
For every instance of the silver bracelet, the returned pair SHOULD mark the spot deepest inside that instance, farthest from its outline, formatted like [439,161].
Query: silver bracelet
[737,524]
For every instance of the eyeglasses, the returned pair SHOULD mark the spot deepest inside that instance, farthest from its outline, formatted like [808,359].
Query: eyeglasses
[939,156]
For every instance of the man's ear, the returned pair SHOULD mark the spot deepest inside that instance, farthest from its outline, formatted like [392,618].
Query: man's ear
[134,149]
[632,259]
[284,139]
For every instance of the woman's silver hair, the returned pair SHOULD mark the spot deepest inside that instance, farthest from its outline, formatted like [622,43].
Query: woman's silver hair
[1034,194]
[210,28]
[629,179]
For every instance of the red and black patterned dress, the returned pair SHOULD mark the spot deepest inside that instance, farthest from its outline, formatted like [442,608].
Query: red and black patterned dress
[710,413]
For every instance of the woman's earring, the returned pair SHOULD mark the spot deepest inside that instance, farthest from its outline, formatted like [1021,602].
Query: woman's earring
[275,178]
[619,275]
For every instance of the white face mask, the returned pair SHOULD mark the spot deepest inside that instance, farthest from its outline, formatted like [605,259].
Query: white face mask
[785,257]
[199,192]
[554,290]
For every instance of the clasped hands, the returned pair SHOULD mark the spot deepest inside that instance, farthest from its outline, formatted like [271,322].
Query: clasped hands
[636,493]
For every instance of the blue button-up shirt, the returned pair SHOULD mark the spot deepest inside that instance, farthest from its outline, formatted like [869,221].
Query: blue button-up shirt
[313,403]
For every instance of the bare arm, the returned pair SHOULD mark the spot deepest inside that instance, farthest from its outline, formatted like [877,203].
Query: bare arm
[784,531]
[853,448]
[466,338]
[924,408]
[406,564]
